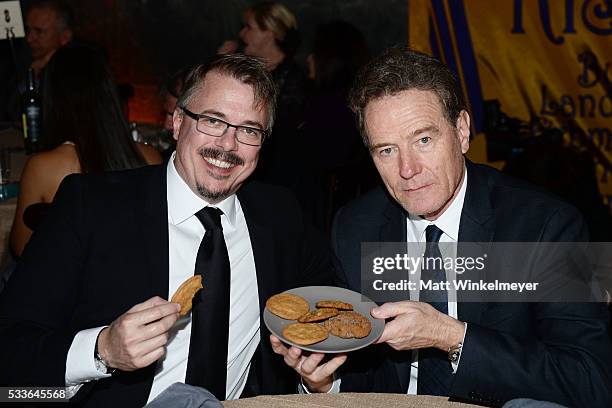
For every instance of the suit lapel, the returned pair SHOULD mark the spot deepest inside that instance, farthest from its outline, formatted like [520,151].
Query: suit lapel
[477,225]
[154,229]
[261,242]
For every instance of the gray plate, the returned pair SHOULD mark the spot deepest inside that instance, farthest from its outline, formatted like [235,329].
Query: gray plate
[332,344]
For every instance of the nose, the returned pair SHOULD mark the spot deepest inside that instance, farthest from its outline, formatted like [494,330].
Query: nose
[242,32]
[410,165]
[29,36]
[227,141]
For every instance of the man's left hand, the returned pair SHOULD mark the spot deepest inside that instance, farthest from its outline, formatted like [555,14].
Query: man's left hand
[417,325]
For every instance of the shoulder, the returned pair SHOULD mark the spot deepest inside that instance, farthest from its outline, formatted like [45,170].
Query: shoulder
[118,182]
[507,191]
[151,155]
[45,171]
[370,206]
[536,214]
[272,197]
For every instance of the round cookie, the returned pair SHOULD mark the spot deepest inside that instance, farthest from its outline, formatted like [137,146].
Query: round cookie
[318,314]
[287,306]
[349,325]
[305,334]
[336,304]
[185,293]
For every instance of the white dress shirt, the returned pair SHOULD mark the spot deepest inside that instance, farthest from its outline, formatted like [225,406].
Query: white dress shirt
[448,222]
[185,232]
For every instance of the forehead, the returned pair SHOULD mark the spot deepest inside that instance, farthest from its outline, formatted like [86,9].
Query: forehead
[404,111]
[41,16]
[225,93]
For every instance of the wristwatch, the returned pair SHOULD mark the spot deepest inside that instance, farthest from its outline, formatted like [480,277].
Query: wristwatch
[101,365]
[455,352]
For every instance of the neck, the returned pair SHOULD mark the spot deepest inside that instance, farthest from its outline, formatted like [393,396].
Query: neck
[273,57]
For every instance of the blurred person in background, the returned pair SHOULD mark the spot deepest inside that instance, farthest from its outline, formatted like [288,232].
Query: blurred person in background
[169,93]
[49,25]
[270,32]
[331,180]
[84,123]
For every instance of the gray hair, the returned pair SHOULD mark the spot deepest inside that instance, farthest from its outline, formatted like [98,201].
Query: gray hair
[402,69]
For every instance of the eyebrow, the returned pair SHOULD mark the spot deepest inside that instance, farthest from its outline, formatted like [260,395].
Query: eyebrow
[417,132]
[221,115]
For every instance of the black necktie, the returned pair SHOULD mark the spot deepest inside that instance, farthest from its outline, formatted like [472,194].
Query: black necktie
[207,363]
[435,375]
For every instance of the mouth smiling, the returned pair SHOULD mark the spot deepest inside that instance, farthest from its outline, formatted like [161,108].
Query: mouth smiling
[219,163]
[220,159]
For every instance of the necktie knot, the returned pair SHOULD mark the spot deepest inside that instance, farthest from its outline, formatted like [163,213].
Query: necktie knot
[210,217]
[433,234]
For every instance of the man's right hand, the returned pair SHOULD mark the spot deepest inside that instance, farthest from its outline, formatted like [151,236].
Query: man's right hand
[138,337]
[317,376]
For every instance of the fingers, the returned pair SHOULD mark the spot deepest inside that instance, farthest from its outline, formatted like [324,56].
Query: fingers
[154,313]
[154,301]
[391,309]
[390,332]
[332,365]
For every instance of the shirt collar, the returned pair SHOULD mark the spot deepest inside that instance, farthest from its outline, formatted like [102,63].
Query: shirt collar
[449,220]
[184,203]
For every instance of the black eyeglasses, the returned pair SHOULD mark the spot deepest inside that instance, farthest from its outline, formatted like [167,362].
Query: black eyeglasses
[216,127]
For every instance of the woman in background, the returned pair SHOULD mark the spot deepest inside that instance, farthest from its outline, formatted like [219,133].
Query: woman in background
[84,122]
[270,32]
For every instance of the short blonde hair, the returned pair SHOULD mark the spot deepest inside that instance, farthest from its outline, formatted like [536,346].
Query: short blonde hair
[277,18]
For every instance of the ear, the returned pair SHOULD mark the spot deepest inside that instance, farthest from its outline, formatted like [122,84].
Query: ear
[177,120]
[65,37]
[463,131]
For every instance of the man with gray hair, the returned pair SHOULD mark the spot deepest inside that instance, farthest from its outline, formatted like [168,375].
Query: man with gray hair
[415,123]
[87,307]
[49,26]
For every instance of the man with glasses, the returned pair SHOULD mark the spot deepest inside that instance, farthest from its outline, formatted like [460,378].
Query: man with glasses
[86,309]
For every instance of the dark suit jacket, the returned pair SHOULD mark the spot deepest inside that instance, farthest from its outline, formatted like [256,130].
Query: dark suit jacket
[104,248]
[546,351]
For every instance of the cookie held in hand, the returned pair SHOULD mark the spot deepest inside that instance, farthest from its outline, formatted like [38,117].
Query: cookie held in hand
[305,334]
[185,293]
[287,306]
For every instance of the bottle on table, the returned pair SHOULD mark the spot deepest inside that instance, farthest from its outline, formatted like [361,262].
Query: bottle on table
[32,116]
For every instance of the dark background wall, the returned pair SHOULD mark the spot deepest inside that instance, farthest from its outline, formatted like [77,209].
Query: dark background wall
[148,39]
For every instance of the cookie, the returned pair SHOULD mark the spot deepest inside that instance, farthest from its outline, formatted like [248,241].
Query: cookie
[349,325]
[336,304]
[287,306]
[185,293]
[318,314]
[305,333]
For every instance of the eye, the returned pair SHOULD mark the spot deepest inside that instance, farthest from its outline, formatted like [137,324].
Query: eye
[249,131]
[425,140]
[211,122]
[386,151]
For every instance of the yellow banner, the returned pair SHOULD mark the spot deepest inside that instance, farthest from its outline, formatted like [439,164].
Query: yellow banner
[547,62]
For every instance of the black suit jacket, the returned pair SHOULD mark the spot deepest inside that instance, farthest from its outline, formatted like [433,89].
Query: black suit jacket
[546,351]
[104,248]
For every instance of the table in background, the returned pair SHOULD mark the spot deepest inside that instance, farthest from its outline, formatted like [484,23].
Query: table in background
[346,400]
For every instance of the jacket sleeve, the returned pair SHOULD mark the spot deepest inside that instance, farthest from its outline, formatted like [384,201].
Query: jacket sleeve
[567,358]
[38,301]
